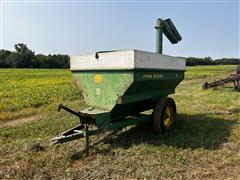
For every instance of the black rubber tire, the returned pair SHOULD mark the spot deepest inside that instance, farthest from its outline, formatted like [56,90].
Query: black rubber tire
[205,85]
[160,111]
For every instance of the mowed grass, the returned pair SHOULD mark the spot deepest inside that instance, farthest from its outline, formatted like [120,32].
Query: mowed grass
[23,91]
[205,143]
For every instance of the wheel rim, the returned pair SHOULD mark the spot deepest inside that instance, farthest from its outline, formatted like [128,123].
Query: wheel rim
[168,117]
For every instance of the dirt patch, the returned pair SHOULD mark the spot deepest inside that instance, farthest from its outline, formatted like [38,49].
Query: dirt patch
[19,121]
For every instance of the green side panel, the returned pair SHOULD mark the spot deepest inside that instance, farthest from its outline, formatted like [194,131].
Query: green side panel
[152,84]
[147,88]
[101,89]
[102,118]
[123,93]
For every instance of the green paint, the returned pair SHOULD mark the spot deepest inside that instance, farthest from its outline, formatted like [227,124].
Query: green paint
[152,84]
[104,94]
[122,93]
[166,27]
[124,87]
[71,135]
[159,38]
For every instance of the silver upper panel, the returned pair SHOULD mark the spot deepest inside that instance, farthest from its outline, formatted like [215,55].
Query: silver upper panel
[126,60]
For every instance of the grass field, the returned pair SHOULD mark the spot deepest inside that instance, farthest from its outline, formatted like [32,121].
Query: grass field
[205,143]
[28,89]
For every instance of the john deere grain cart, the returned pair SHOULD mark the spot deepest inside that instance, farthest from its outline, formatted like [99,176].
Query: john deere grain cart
[118,86]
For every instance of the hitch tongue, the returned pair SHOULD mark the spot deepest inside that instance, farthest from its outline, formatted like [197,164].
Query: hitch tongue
[61,106]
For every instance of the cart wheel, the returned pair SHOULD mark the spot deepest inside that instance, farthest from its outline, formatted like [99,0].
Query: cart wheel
[164,115]
[205,85]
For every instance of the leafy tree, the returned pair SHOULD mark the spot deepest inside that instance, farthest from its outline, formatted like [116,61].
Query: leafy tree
[3,55]
[12,60]
[24,56]
[21,48]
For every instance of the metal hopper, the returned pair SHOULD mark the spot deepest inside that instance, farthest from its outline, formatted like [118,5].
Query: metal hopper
[118,86]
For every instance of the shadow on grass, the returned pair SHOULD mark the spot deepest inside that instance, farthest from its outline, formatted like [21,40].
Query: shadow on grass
[190,131]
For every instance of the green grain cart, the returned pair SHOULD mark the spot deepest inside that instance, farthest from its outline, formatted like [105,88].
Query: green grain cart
[118,86]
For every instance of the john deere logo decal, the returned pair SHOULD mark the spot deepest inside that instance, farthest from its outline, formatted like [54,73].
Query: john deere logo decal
[98,78]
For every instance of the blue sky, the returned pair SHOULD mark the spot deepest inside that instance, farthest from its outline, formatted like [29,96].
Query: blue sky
[207,28]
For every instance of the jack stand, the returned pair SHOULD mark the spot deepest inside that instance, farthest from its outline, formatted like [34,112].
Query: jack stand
[86,134]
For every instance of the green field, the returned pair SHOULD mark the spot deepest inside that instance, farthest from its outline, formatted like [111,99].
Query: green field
[205,143]
[29,89]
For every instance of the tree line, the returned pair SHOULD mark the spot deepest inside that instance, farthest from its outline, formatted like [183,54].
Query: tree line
[23,57]
[193,61]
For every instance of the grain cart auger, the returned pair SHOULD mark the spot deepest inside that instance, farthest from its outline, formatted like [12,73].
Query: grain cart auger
[117,86]
[233,78]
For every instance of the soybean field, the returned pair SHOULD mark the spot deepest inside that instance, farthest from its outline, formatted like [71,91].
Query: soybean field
[31,88]
[204,144]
